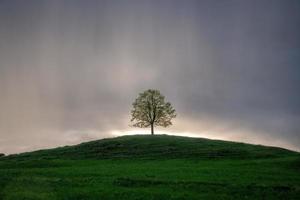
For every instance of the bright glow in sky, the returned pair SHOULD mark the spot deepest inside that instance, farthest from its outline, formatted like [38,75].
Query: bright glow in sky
[69,70]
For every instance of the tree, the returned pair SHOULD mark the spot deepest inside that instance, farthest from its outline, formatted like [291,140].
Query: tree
[150,110]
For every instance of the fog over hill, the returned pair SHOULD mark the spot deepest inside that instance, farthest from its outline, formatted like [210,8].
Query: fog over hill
[69,70]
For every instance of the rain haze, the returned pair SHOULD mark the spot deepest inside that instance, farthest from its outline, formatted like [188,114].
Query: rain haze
[70,70]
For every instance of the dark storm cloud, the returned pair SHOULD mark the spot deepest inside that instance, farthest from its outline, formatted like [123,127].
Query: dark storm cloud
[69,70]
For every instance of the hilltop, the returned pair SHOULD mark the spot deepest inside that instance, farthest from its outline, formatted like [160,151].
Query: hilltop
[157,147]
[158,167]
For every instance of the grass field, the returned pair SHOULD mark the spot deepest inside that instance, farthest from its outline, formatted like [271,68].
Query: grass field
[152,167]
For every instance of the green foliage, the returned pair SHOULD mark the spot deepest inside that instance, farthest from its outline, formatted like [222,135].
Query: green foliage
[150,109]
[152,167]
[157,147]
[117,179]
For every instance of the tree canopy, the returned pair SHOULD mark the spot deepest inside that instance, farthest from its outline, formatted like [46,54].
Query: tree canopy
[150,110]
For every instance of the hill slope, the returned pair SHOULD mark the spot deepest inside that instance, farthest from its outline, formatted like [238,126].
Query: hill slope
[157,147]
[203,169]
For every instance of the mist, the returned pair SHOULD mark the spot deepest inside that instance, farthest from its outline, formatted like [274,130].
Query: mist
[69,70]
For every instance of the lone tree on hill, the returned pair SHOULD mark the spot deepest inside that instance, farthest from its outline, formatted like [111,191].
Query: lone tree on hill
[150,109]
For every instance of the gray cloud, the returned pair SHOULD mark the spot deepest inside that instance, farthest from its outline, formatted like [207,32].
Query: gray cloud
[69,70]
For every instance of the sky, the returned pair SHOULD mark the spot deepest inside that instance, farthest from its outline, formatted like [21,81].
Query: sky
[71,69]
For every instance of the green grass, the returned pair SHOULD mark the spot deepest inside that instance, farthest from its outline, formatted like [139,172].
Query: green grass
[147,167]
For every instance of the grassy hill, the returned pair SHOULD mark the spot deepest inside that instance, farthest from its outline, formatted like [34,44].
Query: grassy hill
[152,167]
[157,147]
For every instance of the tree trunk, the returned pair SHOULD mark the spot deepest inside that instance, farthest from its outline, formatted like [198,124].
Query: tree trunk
[152,129]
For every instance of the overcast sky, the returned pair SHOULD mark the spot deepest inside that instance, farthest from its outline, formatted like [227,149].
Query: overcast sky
[70,70]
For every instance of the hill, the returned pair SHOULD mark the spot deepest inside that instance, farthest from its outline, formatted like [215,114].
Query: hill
[158,147]
[157,167]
